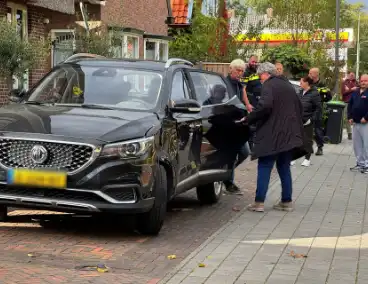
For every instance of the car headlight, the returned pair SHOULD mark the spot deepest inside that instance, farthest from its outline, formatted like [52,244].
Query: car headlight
[128,149]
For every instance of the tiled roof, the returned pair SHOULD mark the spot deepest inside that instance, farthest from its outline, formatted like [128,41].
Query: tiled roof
[182,11]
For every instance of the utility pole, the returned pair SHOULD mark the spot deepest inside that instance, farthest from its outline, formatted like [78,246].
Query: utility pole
[358,50]
[337,47]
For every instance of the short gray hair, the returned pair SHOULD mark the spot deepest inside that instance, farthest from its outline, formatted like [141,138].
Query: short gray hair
[267,67]
[237,63]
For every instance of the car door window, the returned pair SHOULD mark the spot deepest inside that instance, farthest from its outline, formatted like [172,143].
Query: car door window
[179,88]
[209,88]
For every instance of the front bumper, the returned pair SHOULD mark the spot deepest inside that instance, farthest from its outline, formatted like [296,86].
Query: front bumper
[111,186]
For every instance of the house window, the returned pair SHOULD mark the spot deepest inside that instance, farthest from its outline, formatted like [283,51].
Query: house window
[125,46]
[209,7]
[17,15]
[63,45]
[156,49]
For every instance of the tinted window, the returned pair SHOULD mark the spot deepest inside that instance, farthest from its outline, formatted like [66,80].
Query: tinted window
[209,88]
[116,87]
[179,88]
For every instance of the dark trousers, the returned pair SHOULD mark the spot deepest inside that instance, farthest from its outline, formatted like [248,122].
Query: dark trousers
[242,156]
[265,166]
[319,133]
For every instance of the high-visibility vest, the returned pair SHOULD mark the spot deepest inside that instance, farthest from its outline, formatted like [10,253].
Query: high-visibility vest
[252,77]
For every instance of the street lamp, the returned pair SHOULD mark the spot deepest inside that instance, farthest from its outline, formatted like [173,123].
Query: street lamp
[337,47]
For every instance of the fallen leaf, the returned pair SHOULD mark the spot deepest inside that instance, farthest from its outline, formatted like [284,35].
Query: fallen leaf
[236,209]
[102,268]
[171,256]
[30,255]
[201,265]
[297,255]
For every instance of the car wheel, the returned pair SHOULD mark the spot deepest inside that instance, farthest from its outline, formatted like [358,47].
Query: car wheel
[150,223]
[210,193]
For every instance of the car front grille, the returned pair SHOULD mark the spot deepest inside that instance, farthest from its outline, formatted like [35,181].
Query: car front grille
[52,194]
[121,194]
[16,153]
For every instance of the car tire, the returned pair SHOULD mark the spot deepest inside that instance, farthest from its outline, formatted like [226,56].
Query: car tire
[210,193]
[150,223]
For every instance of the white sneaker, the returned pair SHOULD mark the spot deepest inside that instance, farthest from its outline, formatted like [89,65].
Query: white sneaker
[292,163]
[306,163]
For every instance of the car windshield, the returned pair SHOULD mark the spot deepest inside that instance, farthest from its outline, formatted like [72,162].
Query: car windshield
[95,85]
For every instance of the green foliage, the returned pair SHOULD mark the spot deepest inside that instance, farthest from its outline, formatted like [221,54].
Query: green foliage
[94,42]
[295,60]
[18,55]
[207,39]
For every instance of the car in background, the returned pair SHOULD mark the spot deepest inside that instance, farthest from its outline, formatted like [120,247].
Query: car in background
[118,136]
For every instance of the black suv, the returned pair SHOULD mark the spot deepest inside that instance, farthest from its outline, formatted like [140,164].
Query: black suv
[118,136]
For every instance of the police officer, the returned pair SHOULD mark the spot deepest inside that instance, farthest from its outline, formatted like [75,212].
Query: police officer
[252,84]
[326,96]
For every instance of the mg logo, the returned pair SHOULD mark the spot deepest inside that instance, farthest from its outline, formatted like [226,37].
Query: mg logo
[39,154]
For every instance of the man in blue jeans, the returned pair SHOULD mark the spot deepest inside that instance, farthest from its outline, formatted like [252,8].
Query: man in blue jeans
[279,131]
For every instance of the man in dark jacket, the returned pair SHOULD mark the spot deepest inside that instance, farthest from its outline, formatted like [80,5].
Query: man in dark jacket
[279,131]
[326,96]
[358,116]
[348,86]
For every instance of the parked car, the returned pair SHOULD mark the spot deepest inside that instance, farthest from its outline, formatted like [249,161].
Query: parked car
[296,85]
[118,136]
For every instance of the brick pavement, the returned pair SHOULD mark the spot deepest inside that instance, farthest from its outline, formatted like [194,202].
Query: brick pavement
[325,240]
[66,243]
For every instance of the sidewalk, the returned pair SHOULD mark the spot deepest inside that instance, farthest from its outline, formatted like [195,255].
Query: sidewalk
[324,240]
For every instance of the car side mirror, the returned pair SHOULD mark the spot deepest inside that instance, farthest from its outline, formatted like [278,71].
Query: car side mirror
[16,96]
[186,106]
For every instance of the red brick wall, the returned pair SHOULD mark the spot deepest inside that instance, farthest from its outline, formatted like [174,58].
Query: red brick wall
[3,89]
[36,30]
[147,15]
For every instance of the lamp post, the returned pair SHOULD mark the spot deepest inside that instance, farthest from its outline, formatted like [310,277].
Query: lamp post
[337,47]
[358,49]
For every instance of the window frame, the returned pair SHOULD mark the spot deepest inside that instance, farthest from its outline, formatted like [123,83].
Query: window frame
[124,44]
[53,33]
[185,80]
[157,48]
[229,90]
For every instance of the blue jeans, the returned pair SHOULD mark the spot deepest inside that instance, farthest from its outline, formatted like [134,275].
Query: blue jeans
[265,166]
[242,156]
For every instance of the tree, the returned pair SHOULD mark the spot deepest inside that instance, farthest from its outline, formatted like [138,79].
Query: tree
[18,55]
[296,60]
[208,37]
[96,42]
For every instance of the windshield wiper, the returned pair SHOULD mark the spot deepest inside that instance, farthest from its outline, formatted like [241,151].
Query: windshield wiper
[36,103]
[94,106]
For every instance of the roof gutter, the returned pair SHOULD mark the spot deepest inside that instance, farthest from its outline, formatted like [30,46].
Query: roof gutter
[169,18]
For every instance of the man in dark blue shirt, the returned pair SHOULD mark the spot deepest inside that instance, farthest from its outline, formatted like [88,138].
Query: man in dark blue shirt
[358,116]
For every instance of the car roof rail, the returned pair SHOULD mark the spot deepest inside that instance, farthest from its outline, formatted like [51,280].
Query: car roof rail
[173,61]
[79,56]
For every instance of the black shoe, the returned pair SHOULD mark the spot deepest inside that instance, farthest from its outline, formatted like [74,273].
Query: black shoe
[364,171]
[232,188]
[350,136]
[319,151]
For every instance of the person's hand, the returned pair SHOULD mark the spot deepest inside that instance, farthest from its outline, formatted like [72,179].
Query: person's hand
[346,88]
[363,121]
[249,107]
[351,121]
[355,88]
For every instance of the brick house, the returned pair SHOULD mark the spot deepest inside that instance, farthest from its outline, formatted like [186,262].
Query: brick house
[141,24]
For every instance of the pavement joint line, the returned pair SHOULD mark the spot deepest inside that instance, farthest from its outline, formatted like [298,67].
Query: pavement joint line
[274,184]
[361,235]
[337,239]
[324,217]
[173,272]
[297,227]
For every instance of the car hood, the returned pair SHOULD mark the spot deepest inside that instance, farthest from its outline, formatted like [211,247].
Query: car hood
[71,121]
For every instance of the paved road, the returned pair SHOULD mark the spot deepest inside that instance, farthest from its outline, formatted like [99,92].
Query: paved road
[55,253]
[324,240]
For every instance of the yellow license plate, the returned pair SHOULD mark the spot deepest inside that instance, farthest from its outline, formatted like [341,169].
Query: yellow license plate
[36,178]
